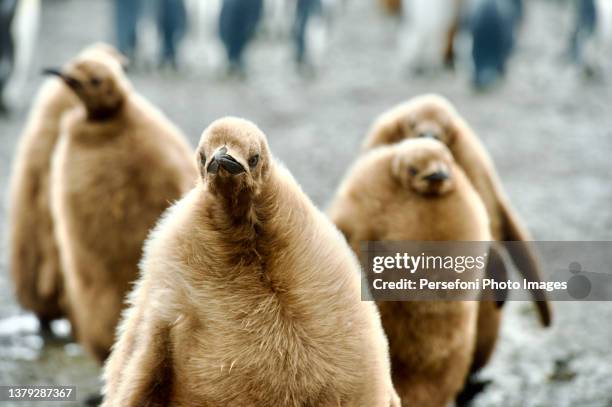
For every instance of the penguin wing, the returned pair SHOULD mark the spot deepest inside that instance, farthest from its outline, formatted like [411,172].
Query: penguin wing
[139,370]
[523,255]
[484,176]
[496,270]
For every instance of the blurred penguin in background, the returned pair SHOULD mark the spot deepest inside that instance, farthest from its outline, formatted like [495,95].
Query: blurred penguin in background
[172,25]
[493,25]
[277,18]
[591,38]
[427,34]
[34,261]
[117,165]
[519,10]
[140,24]
[309,33]
[7,46]
[586,19]
[238,23]
[18,31]
[127,14]
[202,39]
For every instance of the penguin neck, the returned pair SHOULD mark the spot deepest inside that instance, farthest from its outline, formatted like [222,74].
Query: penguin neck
[246,226]
[105,112]
[242,213]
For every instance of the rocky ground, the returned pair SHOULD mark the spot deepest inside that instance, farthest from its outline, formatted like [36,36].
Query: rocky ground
[548,129]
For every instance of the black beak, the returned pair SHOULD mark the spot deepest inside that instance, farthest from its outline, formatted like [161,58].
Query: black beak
[52,71]
[229,163]
[73,83]
[436,176]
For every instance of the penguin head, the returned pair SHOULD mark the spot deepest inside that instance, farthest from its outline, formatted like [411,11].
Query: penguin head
[233,154]
[428,116]
[106,54]
[423,166]
[101,87]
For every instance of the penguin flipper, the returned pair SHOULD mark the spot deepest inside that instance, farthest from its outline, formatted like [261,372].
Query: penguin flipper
[496,270]
[522,254]
[139,371]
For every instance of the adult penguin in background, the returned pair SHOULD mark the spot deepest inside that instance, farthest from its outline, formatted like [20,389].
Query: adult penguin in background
[308,20]
[143,28]
[118,165]
[18,32]
[249,296]
[414,191]
[277,17]
[586,20]
[591,39]
[172,23]
[493,25]
[427,34]
[432,116]
[203,34]
[238,22]
[7,46]
[33,254]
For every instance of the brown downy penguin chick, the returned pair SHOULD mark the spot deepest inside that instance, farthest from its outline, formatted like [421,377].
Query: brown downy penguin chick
[415,191]
[34,259]
[432,116]
[249,296]
[118,165]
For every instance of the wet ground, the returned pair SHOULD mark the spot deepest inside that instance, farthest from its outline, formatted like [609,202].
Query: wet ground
[549,131]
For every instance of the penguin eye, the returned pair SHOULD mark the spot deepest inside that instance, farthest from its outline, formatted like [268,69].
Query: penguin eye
[95,81]
[413,171]
[253,160]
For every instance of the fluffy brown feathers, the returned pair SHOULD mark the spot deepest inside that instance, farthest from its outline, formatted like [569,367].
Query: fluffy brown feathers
[415,191]
[248,297]
[119,164]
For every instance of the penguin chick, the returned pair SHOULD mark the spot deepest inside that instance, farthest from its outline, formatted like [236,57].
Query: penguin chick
[248,297]
[33,254]
[118,165]
[415,191]
[432,116]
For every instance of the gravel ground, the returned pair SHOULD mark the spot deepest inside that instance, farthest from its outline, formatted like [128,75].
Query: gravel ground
[549,131]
